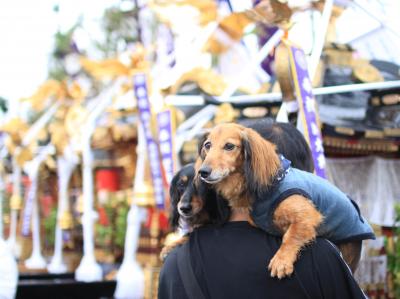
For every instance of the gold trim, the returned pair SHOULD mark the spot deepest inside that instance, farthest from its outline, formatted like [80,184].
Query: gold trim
[15,202]
[374,134]
[361,145]
[392,132]
[390,99]
[375,101]
[344,131]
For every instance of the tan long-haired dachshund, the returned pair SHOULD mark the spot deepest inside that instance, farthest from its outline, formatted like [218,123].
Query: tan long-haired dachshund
[245,169]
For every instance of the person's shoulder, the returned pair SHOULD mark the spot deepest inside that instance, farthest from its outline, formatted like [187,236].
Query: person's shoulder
[327,247]
[325,244]
[170,262]
[240,234]
[234,226]
[330,266]
[170,285]
[236,229]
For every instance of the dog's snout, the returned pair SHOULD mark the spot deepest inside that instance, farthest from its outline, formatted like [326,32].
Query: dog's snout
[205,172]
[186,209]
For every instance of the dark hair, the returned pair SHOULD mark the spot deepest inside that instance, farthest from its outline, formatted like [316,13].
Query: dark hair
[289,141]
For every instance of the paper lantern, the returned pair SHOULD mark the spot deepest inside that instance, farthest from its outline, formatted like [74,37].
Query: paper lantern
[107,179]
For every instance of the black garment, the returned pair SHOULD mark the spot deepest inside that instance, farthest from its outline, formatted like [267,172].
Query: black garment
[231,262]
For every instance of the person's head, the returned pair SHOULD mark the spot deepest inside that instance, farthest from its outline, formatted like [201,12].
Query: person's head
[289,141]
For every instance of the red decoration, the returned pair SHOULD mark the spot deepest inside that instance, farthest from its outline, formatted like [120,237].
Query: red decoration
[107,179]
[9,188]
[162,219]
[47,203]
[26,182]
[103,218]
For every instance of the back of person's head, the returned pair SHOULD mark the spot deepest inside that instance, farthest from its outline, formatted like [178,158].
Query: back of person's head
[289,141]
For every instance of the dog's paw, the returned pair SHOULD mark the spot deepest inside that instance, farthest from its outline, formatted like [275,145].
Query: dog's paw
[165,251]
[281,266]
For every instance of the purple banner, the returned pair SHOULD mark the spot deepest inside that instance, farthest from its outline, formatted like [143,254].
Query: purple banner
[141,93]
[164,121]
[307,106]
[28,209]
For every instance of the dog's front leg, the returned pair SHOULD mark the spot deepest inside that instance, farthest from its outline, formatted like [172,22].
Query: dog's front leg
[169,247]
[298,219]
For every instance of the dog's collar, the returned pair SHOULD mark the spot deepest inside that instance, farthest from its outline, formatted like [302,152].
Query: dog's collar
[282,171]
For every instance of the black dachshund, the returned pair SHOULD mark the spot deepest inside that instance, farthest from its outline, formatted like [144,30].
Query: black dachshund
[193,204]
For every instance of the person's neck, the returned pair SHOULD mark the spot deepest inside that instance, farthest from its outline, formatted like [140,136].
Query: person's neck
[240,214]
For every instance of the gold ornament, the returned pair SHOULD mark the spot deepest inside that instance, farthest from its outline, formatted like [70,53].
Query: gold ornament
[364,72]
[15,128]
[231,27]
[10,145]
[42,135]
[167,10]
[390,99]
[255,112]
[54,90]
[143,194]
[75,92]
[106,68]
[15,202]
[102,138]
[129,195]
[271,12]
[225,114]
[113,67]
[338,54]
[50,163]
[79,204]
[59,136]
[65,220]
[23,156]
[48,89]
[74,119]
[71,127]
[208,80]
[123,132]
[61,113]
[283,73]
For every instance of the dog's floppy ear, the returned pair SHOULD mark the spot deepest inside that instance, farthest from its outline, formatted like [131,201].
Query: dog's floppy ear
[261,162]
[174,197]
[202,139]
[197,166]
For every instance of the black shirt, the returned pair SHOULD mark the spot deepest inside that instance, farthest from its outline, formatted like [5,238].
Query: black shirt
[231,262]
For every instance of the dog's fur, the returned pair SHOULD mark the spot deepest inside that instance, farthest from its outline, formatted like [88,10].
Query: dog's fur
[242,166]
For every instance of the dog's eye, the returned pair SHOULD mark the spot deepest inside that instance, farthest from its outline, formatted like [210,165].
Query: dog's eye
[229,146]
[181,186]
[207,145]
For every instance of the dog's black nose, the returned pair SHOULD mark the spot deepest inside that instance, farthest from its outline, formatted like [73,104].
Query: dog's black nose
[186,209]
[205,172]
